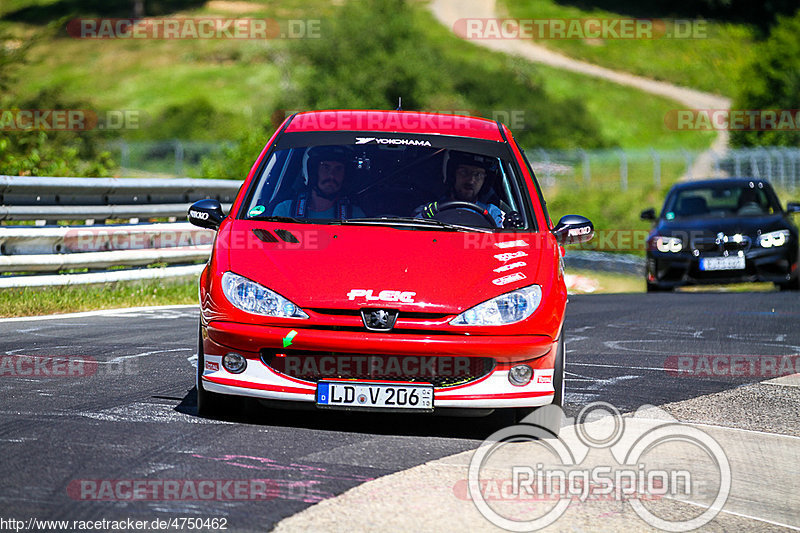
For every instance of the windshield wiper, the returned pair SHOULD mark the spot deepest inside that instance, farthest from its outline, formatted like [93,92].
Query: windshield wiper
[414,222]
[274,218]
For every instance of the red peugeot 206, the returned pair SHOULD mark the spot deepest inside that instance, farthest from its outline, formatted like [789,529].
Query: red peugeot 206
[386,260]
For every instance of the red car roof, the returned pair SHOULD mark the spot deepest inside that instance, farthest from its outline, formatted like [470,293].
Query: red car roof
[396,122]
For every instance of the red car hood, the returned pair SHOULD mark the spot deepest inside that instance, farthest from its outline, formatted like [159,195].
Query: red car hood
[336,267]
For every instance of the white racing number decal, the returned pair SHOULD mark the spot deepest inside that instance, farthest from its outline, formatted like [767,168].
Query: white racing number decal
[511,244]
[511,278]
[512,266]
[383,296]
[508,256]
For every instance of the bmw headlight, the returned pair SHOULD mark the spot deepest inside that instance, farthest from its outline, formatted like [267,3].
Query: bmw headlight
[668,244]
[773,238]
[504,309]
[249,296]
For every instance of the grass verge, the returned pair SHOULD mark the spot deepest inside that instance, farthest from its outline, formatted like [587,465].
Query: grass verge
[711,61]
[594,282]
[34,301]
[627,117]
[245,78]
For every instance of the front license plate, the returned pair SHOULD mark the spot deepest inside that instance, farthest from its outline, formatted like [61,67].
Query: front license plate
[734,262]
[349,395]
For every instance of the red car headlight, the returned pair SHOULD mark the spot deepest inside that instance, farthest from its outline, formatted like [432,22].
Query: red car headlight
[504,309]
[253,297]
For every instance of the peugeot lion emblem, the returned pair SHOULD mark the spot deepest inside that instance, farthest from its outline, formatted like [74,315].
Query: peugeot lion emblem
[379,319]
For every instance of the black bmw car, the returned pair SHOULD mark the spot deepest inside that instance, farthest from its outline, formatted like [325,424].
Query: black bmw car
[722,231]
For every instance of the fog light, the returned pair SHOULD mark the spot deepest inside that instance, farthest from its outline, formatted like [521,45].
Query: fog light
[234,363]
[520,375]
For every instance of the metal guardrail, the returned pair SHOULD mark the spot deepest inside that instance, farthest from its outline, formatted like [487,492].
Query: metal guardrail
[52,248]
[32,198]
[605,262]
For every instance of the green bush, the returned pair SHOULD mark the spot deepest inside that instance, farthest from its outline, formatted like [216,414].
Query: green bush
[195,119]
[43,153]
[52,153]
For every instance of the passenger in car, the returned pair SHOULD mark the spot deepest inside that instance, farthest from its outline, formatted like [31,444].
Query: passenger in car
[749,203]
[324,174]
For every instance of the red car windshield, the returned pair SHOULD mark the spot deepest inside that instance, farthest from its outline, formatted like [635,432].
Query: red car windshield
[366,179]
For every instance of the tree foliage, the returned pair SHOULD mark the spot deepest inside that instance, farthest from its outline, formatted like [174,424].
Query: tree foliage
[772,82]
[35,152]
[374,52]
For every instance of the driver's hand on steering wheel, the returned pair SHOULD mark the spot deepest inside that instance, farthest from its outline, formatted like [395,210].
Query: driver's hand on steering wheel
[430,210]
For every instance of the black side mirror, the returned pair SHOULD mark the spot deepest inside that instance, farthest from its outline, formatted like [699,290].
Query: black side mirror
[206,214]
[648,214]
[573,229]
[793,207]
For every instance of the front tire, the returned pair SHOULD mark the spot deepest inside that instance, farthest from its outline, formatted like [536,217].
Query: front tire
[548,416]
[793,285]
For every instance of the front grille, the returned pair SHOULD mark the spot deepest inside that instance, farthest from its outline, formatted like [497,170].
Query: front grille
[722,243]
[357,312]
[441,371]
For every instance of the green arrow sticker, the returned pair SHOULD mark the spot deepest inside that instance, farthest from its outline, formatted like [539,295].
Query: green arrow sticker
[287,340]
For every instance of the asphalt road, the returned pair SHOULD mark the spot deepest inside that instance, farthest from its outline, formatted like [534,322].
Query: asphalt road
[126,410]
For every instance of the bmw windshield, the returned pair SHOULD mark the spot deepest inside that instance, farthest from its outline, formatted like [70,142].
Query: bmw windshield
[728,200]
[390,179]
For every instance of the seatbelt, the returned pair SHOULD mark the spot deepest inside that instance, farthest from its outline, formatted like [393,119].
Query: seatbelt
[342,207]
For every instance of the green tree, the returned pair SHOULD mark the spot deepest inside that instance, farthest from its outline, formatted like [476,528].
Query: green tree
[772,81]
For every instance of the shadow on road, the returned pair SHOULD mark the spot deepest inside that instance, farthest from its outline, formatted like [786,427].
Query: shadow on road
[251,411]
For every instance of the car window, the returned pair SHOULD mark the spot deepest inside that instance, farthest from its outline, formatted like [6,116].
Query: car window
[720,201]
[333,182]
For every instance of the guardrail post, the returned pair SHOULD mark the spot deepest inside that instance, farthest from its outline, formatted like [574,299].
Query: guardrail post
[587,169]
[125,154]
[767,163]
[780,168]
[178,158]
[688,158]
[656,167]
[717,170]
[754,170]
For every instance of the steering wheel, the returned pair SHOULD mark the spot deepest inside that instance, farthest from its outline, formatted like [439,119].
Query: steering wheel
[441,208]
